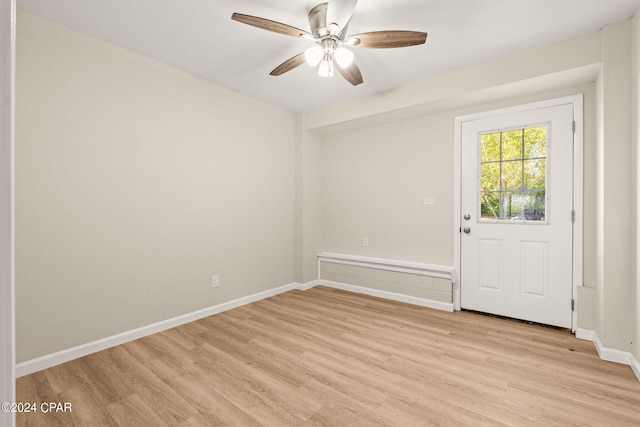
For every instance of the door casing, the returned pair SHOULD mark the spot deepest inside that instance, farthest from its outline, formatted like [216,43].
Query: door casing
[577,102]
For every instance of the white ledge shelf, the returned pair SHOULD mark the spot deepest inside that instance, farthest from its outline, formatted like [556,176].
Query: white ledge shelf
[431,270]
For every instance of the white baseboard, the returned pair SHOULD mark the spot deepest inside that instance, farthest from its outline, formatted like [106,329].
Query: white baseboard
[67,355]
[585,334]
[308,285]
[423,302]
[635,365]
[610,354]
[40,363]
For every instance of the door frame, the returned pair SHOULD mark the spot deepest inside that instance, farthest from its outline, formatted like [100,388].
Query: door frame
[578,165]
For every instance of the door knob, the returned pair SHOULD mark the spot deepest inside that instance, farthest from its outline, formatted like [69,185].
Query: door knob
[466,230]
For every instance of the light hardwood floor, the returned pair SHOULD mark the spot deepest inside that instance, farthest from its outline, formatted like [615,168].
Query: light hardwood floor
[330,358]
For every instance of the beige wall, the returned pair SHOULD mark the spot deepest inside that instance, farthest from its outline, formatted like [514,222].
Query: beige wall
[135,183]
[396,149]
[550,67]
[635,138]
[375,179]
[614,164]
[383,154]
[7,353]
[374,184]
[308,201]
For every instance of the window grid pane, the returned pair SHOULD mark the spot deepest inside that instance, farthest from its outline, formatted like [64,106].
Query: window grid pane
[513,177]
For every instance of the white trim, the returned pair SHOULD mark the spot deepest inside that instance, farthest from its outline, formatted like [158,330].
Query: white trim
[578,170]
[610,354]
[423,302]
[457,200]
[308,285]
[572,99]
[578,197]
[34,365]
[431,270]
[635,366]
[40,363]
[44,362]
[584,334]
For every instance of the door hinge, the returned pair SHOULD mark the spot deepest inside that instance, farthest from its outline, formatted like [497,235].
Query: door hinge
[573,216]
[573,127]
[573,305]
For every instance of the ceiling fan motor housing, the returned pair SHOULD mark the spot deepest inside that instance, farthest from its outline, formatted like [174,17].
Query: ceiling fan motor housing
[318,22]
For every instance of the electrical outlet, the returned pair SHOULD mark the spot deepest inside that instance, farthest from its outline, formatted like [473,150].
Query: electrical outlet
[215,281]
[365,241]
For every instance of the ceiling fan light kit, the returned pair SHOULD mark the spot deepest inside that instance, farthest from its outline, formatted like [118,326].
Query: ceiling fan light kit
[343,56]
[314,55]
[329,22]
[326,68]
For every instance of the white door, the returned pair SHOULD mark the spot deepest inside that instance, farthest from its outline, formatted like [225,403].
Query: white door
[517,215]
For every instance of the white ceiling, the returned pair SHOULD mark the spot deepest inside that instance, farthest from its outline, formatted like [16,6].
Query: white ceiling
[199,36]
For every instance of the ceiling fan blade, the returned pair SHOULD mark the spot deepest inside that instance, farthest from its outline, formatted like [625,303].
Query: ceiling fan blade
[340,11]
[388,39]
[288,65]
[266,24]
[352,73]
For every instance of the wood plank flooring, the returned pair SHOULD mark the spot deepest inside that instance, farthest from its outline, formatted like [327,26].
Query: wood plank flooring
[330,358]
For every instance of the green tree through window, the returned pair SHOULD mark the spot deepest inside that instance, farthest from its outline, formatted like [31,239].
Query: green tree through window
[513,175]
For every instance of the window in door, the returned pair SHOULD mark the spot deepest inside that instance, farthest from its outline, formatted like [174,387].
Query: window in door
[513,179]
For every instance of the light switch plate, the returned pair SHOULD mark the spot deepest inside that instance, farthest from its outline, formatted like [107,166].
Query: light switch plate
[430,202]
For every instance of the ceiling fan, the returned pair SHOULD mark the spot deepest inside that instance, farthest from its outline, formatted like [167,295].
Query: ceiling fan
[329,23]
